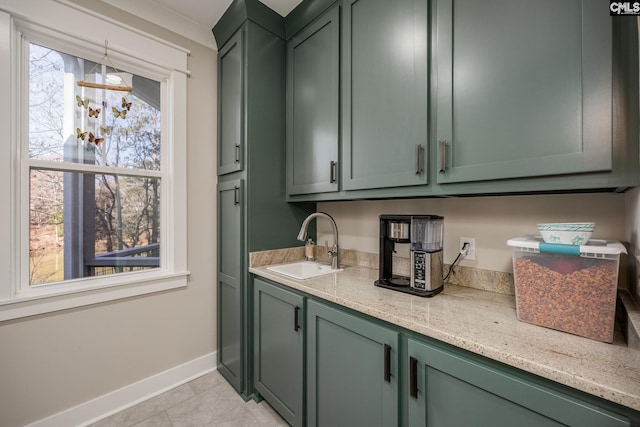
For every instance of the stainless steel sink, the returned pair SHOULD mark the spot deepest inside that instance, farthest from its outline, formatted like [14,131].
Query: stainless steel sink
[303,269]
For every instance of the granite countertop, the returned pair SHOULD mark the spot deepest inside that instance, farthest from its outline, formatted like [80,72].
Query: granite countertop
[485,323]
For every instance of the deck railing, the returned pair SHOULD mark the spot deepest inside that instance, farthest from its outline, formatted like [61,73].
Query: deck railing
[131,259]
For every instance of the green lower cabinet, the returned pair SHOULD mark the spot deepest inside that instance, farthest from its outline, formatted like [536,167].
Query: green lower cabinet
[446,389]
[278,349]
[321,365]
[352,370]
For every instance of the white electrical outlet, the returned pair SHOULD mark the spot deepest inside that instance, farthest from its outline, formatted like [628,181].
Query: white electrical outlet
[471,247]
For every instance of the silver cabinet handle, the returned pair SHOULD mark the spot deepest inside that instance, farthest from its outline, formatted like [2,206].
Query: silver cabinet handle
[332,174]
[442,161]
[236,196]
[237,153]
[418,159]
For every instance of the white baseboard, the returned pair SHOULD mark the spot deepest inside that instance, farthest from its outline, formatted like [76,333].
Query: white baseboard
[118,400]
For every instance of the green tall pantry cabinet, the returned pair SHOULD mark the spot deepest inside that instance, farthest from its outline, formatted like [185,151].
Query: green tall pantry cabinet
[253,214]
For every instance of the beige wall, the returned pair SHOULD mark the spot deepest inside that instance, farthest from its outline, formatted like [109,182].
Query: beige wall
[490,220]
[53,362]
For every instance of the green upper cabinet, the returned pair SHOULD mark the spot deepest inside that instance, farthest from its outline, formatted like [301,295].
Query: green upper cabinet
[461,97]
[352,370]
[313,113]
[230,105]
[385,98]
[524,88]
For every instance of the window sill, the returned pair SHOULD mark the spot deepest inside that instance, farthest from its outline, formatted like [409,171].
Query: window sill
[46,303]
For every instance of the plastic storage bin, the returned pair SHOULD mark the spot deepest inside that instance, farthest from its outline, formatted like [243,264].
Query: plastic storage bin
[566,287]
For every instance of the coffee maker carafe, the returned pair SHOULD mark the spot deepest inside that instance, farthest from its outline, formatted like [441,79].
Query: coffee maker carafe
[424,235]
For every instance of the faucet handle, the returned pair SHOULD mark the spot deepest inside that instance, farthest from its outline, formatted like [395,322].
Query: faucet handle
[332,254]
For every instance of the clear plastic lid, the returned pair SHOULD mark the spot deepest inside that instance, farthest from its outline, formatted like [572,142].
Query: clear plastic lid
[427,233]
[594,247]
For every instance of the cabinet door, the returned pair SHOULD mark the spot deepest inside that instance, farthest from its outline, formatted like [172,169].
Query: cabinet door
[454,391]
[278,346]
[313,107]
[352,367]
[522,97]
[231,85]
[230,280]
[385,93]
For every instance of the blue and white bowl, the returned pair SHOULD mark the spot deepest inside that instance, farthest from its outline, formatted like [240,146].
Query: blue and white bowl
[567,233]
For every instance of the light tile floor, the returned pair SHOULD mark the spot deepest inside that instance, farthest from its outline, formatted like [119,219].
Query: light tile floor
[205,401]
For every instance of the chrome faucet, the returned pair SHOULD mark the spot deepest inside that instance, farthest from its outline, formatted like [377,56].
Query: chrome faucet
[333,253]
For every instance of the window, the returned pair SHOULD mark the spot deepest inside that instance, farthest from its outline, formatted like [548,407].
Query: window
[97,174]
[81,223]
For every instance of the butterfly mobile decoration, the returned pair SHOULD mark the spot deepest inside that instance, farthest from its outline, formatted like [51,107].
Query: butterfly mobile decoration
[94,112]
[92,138]
[126,104]
[119,113]
[97,141]
[80,135]
[82,102]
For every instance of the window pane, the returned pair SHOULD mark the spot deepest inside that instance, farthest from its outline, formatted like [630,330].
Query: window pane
[80,124]
[85,225]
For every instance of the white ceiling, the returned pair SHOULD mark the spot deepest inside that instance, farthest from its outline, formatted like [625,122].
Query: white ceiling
[208,12]
[191,18]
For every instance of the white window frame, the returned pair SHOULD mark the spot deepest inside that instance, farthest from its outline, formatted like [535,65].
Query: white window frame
[75,30]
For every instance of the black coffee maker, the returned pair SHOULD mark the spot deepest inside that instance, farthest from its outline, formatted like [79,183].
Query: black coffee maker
[424,235]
